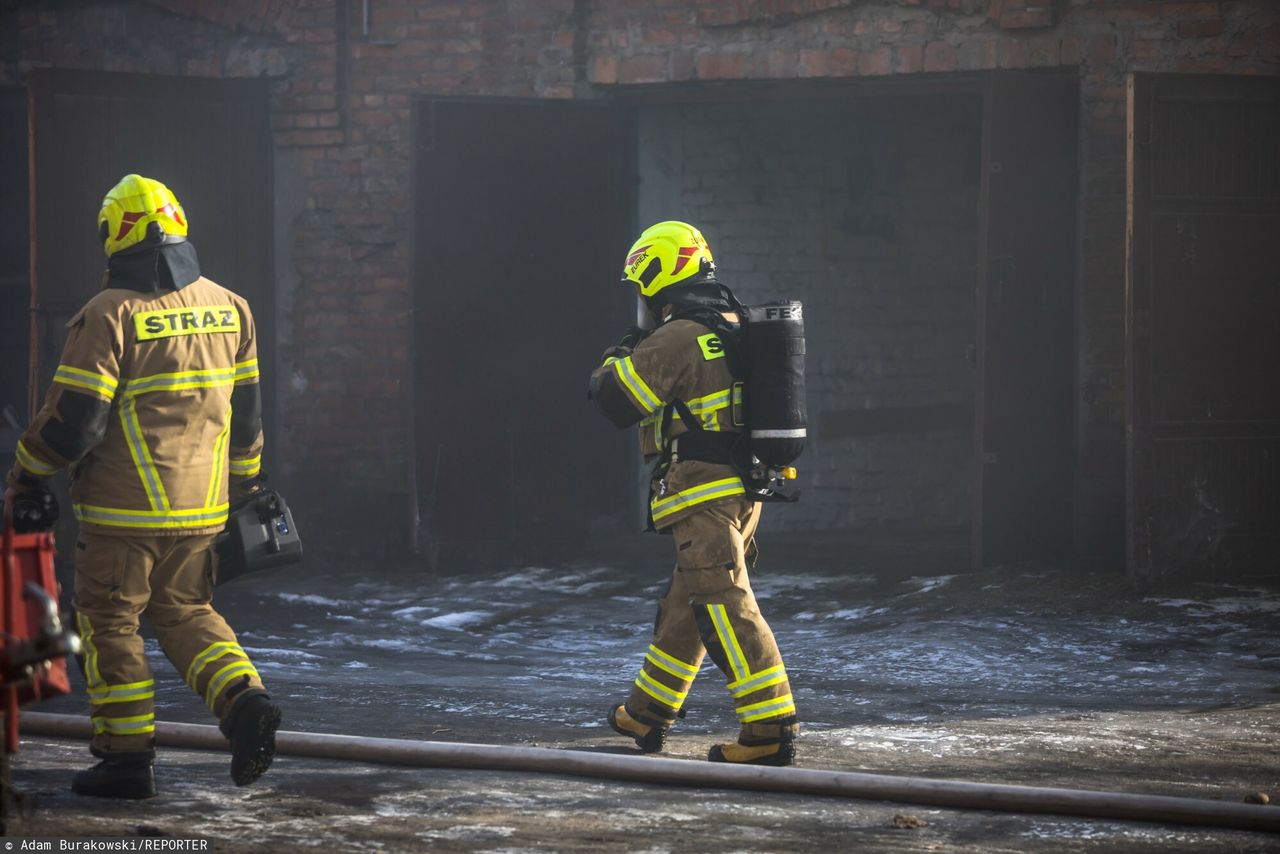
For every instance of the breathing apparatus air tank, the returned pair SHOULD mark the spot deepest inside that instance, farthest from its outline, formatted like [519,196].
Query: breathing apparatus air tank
[775,415]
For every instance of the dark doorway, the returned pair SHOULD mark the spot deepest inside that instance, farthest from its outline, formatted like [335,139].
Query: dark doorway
[522,216]
[1203,477]
[208,140]
[15,276]
[1023,495]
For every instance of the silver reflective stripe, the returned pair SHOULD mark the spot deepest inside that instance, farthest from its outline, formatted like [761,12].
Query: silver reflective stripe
[798,433]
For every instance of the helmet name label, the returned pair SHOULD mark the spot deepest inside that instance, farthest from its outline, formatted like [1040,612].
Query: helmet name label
[196,320]
[712,346]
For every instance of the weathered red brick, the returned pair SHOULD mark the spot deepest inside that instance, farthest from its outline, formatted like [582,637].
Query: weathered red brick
[1071,50]
[1027,19]
[843,62]
[976,55]
[1245,43]
[683,65]
[1204,65]
[1043,52]
[813,63]
[1148,49]
[876,61]
[908,58]
[308,137]
[1191,10]
[939,56]
[642,69]
[1012,53]
[1102,50]
[603,69]
[1199,29]
[659,36]
[725,66]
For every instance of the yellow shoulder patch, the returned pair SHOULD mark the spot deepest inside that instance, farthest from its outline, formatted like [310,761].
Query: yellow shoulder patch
[712,347]
[193,320]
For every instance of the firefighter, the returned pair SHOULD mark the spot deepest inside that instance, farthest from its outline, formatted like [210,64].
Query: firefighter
[684,370]
[155,405]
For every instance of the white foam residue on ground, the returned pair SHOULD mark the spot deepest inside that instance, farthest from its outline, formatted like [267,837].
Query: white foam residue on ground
[308,599]
[458,620]
[856,613]
[411,612]
[279,653]
[925,584]
[1262,603]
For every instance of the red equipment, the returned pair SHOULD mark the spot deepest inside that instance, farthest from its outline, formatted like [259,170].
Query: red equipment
[33,643]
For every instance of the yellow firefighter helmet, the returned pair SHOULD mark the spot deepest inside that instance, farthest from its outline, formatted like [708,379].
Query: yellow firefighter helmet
[140,209]
[666,254]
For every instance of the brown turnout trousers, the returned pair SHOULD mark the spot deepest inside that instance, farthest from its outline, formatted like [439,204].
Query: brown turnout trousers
[169,578]
[709,608]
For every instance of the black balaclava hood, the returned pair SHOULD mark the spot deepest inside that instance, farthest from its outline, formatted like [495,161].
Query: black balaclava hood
[154,269]
[703,295]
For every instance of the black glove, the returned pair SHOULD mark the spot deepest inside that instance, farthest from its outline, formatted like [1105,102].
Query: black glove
[623,348]
[633,337]
[35,509]
[247,488]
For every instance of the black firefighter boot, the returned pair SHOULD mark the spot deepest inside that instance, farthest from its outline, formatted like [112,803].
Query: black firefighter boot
[251,728]
[650,738]
[778,752]
[118,775]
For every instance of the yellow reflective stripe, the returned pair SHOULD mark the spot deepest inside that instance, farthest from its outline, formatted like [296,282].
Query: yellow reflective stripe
[132,725]
[660,692]
[112,517]
[663,507]
[764,679]
[181,380]
[669,663]
[92,676]
[247,467]
[609,361]
[225,675]
[142,460]
[774,708]
[99,384]
[122,693]
[212,652]
[34,464]
[247,370]
[640,391]
[729,640]
[219,460]
[705,408]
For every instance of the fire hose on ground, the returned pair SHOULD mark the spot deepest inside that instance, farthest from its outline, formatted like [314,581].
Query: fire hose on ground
[921,791]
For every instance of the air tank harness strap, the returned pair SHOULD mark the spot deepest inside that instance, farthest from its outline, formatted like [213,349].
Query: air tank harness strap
[697,444]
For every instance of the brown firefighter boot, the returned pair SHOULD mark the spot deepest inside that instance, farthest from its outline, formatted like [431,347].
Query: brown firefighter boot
[650,738]
[777,752]
[251,728]
[118,775]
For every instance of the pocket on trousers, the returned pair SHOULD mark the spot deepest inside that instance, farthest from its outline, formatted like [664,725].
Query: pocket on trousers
[706,581]
[101,563]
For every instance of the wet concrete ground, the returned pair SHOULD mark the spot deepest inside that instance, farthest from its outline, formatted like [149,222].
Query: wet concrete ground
[1032,675]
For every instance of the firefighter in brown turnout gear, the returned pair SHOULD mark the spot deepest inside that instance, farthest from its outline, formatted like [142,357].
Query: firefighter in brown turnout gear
[155,404]
[681,372]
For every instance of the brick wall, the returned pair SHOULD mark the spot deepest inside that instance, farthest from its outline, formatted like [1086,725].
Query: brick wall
[341,105]
[866,212]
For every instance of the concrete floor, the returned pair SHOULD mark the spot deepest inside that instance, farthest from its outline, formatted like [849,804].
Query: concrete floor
[900,662]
